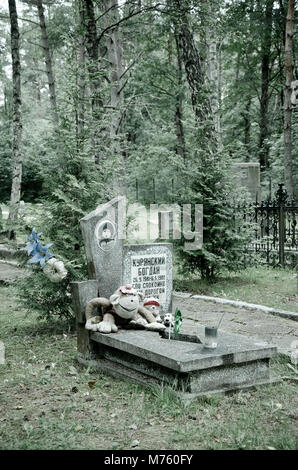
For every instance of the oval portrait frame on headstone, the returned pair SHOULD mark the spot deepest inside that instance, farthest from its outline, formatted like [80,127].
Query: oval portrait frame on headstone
[105,235]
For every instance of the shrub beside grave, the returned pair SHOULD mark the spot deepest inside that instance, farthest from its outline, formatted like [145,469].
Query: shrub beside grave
[46,290]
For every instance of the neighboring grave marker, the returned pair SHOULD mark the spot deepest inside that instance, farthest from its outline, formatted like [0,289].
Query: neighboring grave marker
[248,176]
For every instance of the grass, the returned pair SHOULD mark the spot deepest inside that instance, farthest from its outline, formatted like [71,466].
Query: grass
[272,287]
[48,401]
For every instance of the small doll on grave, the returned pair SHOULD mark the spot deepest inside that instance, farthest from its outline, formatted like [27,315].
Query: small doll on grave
[152,304]
[121,309]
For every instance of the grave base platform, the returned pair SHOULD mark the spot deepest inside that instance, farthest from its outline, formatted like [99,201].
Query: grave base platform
[188,368]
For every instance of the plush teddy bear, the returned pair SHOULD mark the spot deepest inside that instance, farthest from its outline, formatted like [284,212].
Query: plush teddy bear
[123,308]
[153,305]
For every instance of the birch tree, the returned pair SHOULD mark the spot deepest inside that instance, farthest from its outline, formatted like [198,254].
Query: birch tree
[17,118]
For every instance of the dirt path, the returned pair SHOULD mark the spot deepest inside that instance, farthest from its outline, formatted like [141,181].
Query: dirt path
[9,272]
[264,327]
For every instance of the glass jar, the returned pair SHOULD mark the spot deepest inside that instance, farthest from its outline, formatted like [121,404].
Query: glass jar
[210,340]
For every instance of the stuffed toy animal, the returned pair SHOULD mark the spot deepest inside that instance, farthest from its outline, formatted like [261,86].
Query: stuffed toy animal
[168,320]
[153,305]
[123,308]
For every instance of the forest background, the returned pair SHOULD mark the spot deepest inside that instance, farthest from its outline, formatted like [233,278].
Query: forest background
[151,99]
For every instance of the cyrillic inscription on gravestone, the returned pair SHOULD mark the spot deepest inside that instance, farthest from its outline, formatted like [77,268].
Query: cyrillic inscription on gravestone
[149,268]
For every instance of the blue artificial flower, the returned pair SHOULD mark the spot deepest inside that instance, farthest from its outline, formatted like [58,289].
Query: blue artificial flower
[30,247]
[34,236]
[33,241]
[40,254]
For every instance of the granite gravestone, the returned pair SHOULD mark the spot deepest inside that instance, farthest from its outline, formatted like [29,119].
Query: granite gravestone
[103,232]
[111,264]
[248,176]
[192,370]
[144,356]
[148,267]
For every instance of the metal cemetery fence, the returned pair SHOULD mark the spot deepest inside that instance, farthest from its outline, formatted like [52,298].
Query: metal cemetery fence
[275,229]
[272,223]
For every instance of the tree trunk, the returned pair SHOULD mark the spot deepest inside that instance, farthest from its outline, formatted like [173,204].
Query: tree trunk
[247,126]
[264,117]
[48,60]
[17,118]
[92,47]
[181,150]
[288,166]
[212,65]
[114,47]
[80,77]
[194,73]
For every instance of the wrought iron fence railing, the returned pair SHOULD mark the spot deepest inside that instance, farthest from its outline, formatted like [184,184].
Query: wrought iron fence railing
[275,229]
[272,223]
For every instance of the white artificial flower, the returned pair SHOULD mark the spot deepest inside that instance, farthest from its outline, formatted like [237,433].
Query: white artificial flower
[55,270]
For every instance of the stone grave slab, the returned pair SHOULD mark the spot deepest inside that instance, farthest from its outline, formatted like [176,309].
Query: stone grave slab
[145,357]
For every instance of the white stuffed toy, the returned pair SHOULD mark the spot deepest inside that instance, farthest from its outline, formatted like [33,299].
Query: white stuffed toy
[168,320]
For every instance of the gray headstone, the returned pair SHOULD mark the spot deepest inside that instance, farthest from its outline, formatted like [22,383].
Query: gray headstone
[103,232]
[248,176]
[149,268]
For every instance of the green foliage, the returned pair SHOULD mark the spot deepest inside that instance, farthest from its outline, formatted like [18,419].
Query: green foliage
[73,187]
[48,299]
[223,240]
[37,292]
[243,30]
